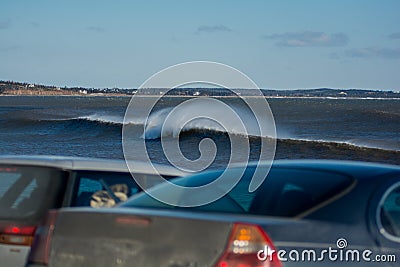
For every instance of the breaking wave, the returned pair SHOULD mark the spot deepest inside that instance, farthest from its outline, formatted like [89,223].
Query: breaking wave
[155,129]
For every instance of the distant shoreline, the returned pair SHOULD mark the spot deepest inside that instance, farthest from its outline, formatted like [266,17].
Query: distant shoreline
[9,88]
[67,95]
[189,96]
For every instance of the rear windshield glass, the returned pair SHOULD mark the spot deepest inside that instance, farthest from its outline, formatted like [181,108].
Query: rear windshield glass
[284,193]
[106,189]
[27,191]
[103,189]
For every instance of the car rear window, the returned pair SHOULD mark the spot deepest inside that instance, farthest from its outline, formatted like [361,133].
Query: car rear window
[105,189]
[284,193]
[27,192]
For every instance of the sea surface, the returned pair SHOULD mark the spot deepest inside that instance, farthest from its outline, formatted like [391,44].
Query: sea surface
[307,128]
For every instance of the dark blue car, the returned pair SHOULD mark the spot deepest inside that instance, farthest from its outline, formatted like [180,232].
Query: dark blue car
[305,213]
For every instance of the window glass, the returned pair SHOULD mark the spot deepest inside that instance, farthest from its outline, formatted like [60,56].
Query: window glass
[26,193]
[290,192]
[7,179]
[390,212]
[241,195]
[285,193]
[104,189]
[29,191]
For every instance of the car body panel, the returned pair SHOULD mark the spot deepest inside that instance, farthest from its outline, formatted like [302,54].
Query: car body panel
[128,240]
[13,255]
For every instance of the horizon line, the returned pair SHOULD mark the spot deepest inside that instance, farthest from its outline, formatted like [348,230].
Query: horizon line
[154,88]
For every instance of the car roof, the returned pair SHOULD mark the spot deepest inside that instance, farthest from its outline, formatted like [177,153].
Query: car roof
[90,164]
[356,169]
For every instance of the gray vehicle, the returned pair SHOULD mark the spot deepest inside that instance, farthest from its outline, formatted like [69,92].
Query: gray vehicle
[30,186]
[306,213]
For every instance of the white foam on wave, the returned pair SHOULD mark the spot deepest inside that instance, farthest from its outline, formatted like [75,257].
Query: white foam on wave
[156,126]
[112,119]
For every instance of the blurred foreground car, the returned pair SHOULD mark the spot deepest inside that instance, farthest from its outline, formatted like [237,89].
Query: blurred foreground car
[306,213]
[30,186]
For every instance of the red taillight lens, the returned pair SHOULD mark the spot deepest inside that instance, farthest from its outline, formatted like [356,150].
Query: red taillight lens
[245,242]
[17,235]
[20,230]
[41,247]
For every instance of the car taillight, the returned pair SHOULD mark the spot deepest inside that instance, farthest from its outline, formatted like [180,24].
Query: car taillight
[245,243]
[17,235]
[40,251]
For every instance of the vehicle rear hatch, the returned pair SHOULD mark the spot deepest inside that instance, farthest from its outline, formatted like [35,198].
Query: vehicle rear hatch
[136,237]
[113,239]
[26,193]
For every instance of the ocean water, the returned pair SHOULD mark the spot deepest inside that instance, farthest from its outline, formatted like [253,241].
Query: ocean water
[351,129]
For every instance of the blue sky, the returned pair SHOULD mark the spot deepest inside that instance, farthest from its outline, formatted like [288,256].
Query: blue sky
[278,44]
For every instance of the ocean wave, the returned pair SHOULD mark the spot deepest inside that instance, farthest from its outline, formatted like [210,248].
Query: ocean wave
[154,128]
[357,144]
[308,143]
[171,121]
[101,118]
[97,118]
[297,149]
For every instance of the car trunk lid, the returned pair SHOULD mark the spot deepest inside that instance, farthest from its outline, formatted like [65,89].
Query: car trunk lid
[123,239]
